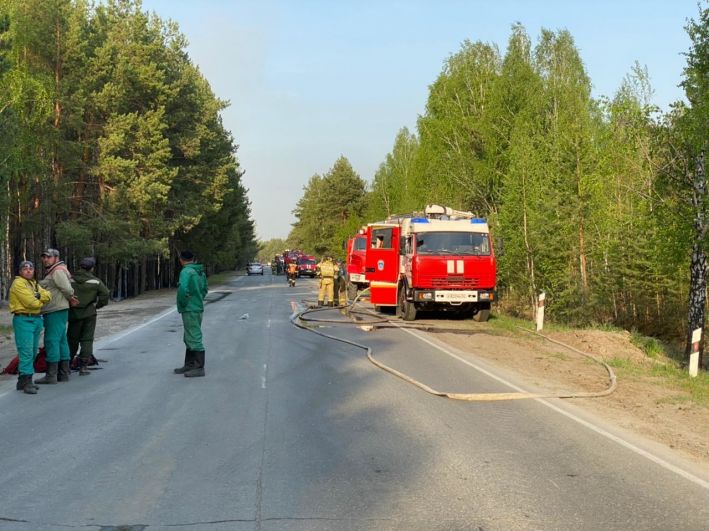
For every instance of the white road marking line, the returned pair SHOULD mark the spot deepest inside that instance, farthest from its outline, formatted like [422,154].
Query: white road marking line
[263,378]
[655,459]
[268,325]
[121,335]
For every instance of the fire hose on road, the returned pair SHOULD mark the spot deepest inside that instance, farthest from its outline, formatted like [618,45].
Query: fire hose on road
[300,320]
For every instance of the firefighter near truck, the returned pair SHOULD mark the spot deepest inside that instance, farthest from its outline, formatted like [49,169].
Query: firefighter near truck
[438,260]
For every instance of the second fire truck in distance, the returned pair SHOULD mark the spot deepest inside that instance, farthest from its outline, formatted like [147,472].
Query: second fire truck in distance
[442,259]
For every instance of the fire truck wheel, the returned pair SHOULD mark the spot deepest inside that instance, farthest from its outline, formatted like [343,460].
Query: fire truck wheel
[483,313]
[405,309]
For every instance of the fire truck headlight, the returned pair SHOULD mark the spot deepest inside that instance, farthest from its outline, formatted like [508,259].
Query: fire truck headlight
[485,296]
[424,296]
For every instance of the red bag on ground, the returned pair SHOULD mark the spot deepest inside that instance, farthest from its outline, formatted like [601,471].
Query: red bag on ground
[11,368]
[40,363]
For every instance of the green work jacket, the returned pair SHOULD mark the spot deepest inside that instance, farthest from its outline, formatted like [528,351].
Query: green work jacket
[192,288]
[91,292]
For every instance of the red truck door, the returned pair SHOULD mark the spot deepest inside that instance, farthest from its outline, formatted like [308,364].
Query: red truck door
[382,264]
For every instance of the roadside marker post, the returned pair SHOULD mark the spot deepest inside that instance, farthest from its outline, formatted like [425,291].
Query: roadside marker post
[540,311]
[694,356]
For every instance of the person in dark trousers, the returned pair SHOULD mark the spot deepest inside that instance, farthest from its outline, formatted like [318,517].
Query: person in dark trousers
[92,294]
[191,291]
[341,284]
[57,280]
[26,300]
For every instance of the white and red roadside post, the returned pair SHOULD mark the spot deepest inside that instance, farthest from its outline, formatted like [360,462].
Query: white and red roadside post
[540,311]
[694,355]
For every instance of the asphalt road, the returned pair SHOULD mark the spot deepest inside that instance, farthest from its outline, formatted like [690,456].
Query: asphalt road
[293,431]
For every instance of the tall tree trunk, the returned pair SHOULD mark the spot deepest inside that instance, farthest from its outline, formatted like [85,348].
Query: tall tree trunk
[698,268]
[583,268]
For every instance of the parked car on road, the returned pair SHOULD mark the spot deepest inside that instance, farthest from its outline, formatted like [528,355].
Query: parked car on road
[254,269]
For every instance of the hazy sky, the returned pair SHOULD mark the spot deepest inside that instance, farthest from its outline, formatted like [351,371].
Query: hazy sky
[309,81]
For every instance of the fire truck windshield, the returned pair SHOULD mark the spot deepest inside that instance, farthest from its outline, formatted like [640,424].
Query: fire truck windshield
[459,243]
[360,244]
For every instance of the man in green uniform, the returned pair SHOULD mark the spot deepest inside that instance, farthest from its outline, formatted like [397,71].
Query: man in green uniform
[191,291]
[92,294]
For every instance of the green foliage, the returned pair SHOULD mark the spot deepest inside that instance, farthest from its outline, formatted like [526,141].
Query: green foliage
[696,81]
[650,346]
[269,249]
[455,160]
[329,211]
[392,188]
[667,374]
[112,143]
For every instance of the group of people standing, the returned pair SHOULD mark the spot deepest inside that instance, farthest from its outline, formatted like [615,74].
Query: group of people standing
[62,305]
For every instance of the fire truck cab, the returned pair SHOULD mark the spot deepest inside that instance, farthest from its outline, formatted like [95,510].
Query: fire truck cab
[442,259]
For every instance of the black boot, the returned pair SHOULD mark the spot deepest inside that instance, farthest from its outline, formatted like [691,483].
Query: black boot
[64,371]
[51,376]
[83,368]
[30,382]
[198,367]
[189,362]
[24,383]
[320,304]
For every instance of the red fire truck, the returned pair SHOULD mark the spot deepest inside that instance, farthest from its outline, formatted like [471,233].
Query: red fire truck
[356,261]
[442,259]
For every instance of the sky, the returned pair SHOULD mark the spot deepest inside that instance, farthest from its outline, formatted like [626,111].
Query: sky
[309,80]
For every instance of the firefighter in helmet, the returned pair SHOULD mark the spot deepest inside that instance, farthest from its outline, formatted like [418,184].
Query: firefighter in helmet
[292,271]
[328,271]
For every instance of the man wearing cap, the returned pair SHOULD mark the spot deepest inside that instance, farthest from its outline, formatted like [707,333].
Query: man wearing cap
[57,280]
[92,294]
[26,300]
[191,291]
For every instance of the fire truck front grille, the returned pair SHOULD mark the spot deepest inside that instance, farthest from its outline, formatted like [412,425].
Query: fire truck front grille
[454,282]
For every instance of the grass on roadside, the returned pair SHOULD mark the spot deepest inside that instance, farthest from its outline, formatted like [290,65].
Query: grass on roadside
[506,324]
[666,370]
